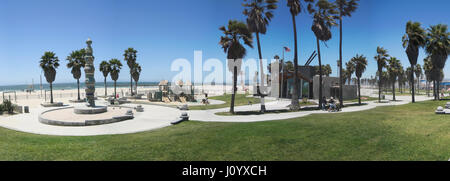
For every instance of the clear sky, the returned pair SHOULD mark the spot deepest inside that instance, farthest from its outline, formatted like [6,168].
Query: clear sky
[162,31]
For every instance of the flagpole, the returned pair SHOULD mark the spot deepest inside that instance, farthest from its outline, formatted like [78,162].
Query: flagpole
[282,74]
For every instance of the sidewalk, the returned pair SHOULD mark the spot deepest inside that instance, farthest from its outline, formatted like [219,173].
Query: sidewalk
[210,116]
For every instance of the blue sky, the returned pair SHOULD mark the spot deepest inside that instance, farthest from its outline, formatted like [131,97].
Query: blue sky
[163,31]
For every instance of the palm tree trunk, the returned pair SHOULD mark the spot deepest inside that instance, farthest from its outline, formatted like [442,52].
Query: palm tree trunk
[359,91]
[379,86]
[106,94]
[135,85]
[320,73]
[51,93]
[393,90]
[263,106]
[78,84]
[115,93]
[340,56]
[434,89]
[233,93]
[412,83]
[294,100]
[418,85]
[438,91]
[131,83]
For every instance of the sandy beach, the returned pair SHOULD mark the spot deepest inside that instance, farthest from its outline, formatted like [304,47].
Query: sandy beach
[35,98]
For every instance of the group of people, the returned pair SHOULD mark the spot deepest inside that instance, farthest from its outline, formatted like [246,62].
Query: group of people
[331,104]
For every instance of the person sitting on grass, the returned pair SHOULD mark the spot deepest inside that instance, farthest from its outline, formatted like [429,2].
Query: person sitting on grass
[332,103]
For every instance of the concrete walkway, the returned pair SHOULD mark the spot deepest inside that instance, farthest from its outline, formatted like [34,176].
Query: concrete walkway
[210,116]
[155,116]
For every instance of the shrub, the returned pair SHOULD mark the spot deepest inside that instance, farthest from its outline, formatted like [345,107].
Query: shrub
[8,106]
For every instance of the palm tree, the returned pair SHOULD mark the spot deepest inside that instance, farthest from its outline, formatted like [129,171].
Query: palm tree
[136,74]
[346,8]
[116,65]
[130,58]
[230,42]
[105,68]
[295,8]
[428,68]
[393,70]
[408,76]
[350,69]
[76,61]
[381,59]
[49,63]
[438,47]
[326,70]
[323,20]
[259,13]
[412,41]
[418,73]
[360,63]
[401,80]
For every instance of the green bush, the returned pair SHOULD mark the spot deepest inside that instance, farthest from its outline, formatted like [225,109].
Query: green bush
[8,106]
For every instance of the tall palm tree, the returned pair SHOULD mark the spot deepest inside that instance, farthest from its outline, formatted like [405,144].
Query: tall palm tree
[116,65]
[259,13]
[381,59]
[130,58]
[350,69]
[346,8]
[409,74]
[76,62]
[438,47]
[232,46]
[49,63]
[418,73]
[401,80]
[136,74]
[412,41]
[323,21]
[360,63]
[393,70]
[105,68]
[427,68]
[295,8]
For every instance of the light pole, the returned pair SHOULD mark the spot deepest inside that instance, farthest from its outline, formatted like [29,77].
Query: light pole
[41,82]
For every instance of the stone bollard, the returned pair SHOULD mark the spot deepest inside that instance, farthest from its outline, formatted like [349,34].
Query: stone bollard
[184,116]
[129,112]
[139,108]
[440,110]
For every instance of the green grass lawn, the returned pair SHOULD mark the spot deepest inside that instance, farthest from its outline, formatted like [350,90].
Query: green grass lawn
[363,99]
[407,132]
[301,103]
[240,100]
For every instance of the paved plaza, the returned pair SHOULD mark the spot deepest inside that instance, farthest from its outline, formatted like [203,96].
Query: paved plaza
[157,116]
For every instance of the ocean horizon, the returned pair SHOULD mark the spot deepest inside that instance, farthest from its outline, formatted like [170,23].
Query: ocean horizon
[67,86]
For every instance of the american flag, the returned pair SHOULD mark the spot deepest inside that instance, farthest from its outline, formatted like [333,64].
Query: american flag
[287,49]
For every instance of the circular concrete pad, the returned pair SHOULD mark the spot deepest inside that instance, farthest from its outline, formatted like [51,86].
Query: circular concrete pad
[69,117]
[90,110]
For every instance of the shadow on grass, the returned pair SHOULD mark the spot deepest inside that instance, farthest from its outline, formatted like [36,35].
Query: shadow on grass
[276,111]
[245,113]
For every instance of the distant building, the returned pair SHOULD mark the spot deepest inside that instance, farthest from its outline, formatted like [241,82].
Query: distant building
[330,88]
[445,84]
[309,86]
